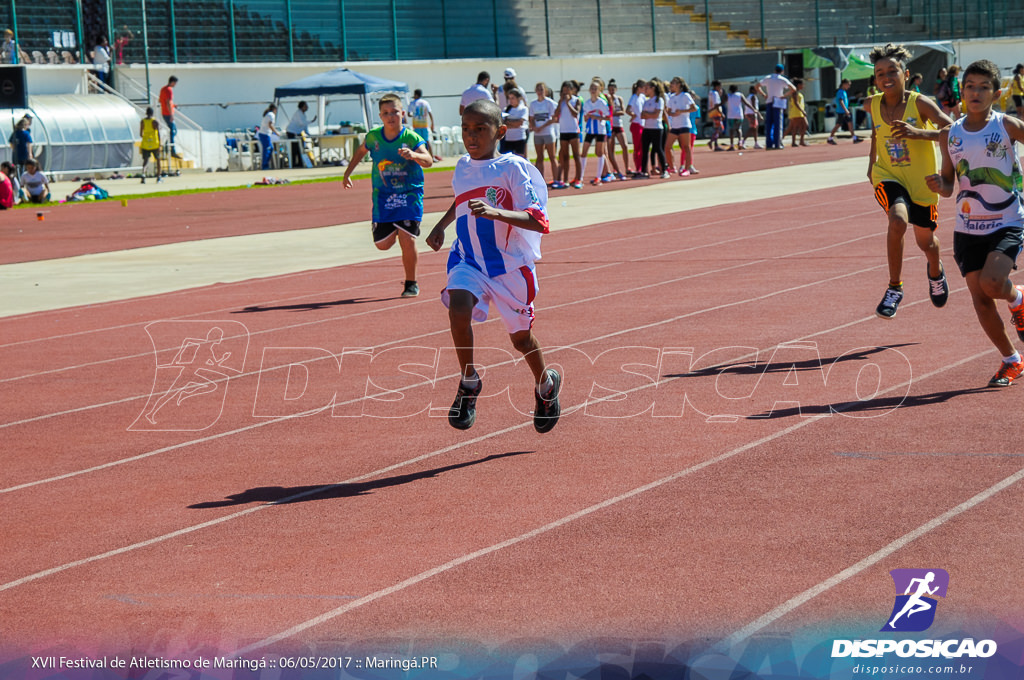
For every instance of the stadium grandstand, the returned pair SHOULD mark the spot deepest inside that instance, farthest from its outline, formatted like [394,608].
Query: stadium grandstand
[235,31]
[231,54]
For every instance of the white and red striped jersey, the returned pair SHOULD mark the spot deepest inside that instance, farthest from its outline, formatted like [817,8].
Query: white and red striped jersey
[508,182]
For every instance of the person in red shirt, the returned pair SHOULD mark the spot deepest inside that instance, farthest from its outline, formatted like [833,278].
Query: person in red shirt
[167,108]
[6,191]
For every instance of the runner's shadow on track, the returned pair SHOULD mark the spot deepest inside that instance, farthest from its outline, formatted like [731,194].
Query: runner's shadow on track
[882,406]
[284,495]
[308,306]
[746,368]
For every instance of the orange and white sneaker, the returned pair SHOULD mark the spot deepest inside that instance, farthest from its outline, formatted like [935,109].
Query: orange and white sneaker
[1017,316]
[1007,373]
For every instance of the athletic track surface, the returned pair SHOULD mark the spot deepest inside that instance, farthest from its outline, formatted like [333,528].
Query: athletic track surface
[745,449]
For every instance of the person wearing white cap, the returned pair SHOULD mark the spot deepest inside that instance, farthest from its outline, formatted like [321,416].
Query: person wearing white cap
[501,92]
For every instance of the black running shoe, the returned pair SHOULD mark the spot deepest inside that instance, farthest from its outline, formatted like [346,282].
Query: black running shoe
[412,289]
[545,415]
[462,414]
[886,309]
[938,289]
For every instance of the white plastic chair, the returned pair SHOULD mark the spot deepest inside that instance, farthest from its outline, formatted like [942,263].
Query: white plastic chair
[458,149]
[447,142]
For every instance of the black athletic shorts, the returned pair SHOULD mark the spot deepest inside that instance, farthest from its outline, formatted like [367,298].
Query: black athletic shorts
[971,250]
[593,137]
[383,230]
[890,193]
[569,136]
[517,147]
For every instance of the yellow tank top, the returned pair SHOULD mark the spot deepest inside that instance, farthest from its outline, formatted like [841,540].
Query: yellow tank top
[150,136]
[906,161]
[796,99]
[1015,88]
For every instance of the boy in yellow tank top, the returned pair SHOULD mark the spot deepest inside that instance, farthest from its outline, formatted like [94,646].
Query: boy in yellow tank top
[149,131]
[903,154]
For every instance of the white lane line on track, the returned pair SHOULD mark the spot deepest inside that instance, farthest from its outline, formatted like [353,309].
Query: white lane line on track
[159,539]
[469,557]
[407,304]
[374,284]
[869,561]
[422,336]
[175,447]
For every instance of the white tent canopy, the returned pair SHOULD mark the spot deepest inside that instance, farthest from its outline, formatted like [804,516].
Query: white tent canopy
[340,81]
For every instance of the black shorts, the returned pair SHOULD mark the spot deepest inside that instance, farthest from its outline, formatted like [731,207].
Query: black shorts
[384,230]
[146,153]
[569,136]
[842,119]
[516,147]
[1018,102]
[593,137]
[679,131]
[616,131]
[890,193]
[970,251]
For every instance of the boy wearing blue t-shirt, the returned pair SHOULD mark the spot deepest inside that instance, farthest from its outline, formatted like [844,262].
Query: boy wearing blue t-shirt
[399,156]
[844,117]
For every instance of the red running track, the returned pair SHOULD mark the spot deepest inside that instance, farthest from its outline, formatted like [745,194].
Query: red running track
[772,451]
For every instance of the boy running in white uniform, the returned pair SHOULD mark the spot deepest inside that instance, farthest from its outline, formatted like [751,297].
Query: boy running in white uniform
[499,213]
[979,160]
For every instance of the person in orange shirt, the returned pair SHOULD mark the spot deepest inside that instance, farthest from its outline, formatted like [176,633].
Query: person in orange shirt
[167,108]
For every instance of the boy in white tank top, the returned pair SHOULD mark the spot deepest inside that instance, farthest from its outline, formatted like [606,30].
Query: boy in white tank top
[979,161]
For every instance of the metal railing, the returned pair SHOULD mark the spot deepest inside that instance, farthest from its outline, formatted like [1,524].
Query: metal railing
[126,83]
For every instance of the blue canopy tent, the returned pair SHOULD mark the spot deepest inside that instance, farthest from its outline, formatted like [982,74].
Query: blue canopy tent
[340,81]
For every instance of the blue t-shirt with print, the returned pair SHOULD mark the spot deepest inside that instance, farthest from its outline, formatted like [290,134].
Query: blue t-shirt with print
[397,182]
[842,101]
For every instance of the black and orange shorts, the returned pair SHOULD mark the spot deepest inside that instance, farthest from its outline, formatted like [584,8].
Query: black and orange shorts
[889,193]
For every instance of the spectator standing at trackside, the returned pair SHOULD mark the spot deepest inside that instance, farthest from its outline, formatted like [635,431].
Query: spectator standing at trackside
[298,125]
[21,143]
[267,128]
[480,90]
[844,118]
[545,129]
[423,120]
[716,116]
[10,52]
[500,94]
[101,59]
[1017,90]
[753,115]
[569,106]
[798,124]
[7,193]
[636,125]
[8,169]
[516,117]
[775,88]
[680,105]
[167,110]
[149,132]
[618,108]
[120,42]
